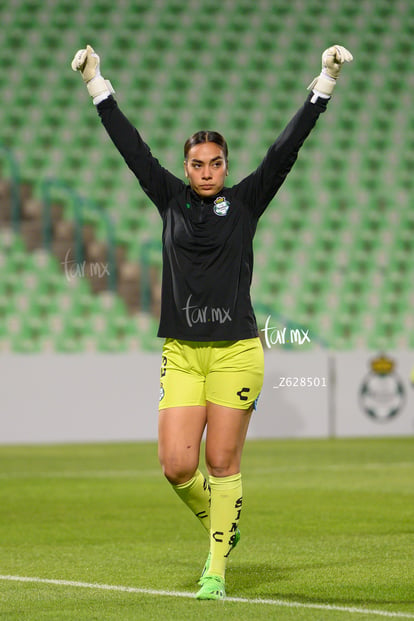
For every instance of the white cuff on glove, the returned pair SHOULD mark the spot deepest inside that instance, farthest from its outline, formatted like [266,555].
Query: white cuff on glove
[99,89]
[322,84]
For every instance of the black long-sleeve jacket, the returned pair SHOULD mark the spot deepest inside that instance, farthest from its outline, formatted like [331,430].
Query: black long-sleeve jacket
[207,243]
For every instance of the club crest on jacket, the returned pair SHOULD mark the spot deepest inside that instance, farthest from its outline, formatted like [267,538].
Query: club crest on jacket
[221,206]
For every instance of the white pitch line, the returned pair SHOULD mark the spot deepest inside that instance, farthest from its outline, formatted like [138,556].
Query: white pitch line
[185,594]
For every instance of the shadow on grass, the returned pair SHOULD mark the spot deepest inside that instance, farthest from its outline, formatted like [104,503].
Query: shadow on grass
[261,580]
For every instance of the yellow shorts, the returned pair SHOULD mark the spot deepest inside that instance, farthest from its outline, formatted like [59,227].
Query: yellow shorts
[228,373]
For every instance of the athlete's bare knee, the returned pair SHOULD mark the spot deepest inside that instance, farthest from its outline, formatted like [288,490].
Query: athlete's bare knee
[222,472]
[178,472]
[223,465]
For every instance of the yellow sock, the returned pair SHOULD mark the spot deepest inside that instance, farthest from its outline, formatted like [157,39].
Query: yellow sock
[226,503]
[196,495]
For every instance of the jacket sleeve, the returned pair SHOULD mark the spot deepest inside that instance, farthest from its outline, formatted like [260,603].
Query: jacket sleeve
[157,182]
[258,188]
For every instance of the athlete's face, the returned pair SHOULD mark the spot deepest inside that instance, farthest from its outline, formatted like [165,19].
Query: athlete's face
[206,168]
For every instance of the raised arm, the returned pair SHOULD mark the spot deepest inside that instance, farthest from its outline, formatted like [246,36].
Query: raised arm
[260,187]
[157,182]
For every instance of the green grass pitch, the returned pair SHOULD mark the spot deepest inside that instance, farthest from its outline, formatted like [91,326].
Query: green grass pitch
[327,534]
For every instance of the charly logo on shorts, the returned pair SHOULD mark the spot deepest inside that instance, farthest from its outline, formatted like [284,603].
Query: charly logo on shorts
[221,206]
[162,392]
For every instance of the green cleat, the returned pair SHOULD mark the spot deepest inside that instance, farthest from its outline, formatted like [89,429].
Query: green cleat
[213,588]
[207,563]
[205,569]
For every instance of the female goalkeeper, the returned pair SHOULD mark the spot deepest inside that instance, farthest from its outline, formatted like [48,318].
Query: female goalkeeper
[212,359]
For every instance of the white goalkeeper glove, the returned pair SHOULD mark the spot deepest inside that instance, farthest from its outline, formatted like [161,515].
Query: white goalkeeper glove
[87,62]
[332,60]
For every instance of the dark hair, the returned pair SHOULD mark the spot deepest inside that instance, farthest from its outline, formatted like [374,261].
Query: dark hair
[206,136]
